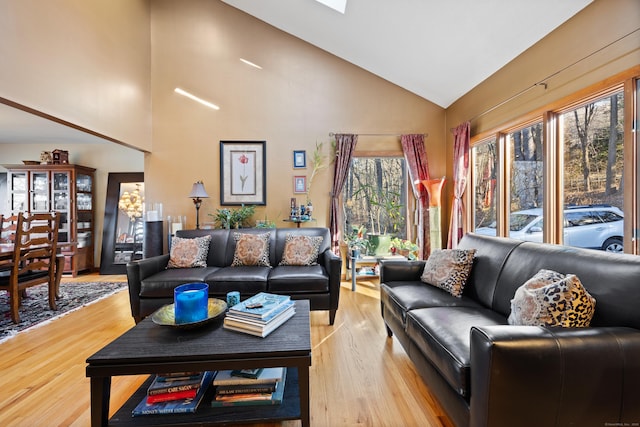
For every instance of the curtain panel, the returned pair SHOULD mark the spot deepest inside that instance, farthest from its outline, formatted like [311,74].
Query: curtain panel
[462,135]
[415,156]
[345,146]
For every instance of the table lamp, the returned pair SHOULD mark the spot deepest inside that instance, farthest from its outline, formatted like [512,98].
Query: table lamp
[197,194]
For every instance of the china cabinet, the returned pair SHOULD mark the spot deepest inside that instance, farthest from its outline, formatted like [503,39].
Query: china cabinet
[66,189]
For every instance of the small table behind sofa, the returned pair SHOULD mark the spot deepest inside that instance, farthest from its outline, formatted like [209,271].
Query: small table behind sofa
[151,284]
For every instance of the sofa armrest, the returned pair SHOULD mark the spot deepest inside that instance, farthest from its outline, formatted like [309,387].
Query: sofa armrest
[139,270]
[333,264]
[392,270]
[533,376]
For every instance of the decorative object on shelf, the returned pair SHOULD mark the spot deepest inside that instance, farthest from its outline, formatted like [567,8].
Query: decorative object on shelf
[300,184]
[434,188]
[243,172]
[299,159]
[197,194]
[191,302]
[46,158]
[60,157]
[165,315]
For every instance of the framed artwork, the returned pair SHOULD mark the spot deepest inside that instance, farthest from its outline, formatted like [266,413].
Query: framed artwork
[243,172]
[299,159]
[299,184]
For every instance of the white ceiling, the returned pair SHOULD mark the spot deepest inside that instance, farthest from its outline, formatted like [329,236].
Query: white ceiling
[437,49]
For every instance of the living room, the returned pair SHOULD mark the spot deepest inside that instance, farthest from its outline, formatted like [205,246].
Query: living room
[109,52]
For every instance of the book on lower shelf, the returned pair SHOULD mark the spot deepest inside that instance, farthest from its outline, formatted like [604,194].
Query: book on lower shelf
[243,317]
[175,406]
[239,395]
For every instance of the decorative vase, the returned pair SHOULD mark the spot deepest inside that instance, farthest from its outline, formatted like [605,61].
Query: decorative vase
[434,188]
[380,244]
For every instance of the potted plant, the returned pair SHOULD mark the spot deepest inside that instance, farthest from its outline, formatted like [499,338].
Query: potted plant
[404,247]
[233,218]
[357,242]
[385,212]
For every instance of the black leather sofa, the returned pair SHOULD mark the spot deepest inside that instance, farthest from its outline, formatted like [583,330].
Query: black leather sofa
[485,372]
[151,284]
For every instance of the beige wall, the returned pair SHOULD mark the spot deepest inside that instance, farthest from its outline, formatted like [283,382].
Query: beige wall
[301,94]
[104,158]
[85,62]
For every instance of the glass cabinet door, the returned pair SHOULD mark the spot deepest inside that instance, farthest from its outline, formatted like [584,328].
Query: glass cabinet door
[61,203]
[84,198]
[39,192]
[18,183]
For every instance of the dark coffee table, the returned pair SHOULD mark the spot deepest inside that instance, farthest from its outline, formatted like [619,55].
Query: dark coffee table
[148,348]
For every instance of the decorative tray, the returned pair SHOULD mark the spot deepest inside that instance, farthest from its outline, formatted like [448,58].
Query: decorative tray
[165,316]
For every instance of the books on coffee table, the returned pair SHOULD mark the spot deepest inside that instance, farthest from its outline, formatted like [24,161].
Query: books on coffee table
[260,314]
[267,389]
[154,404]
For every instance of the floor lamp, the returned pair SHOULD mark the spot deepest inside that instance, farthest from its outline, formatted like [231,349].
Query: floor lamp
[197,194]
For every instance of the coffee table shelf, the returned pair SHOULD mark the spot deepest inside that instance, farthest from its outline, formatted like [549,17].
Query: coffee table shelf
[148,348]
[205,415]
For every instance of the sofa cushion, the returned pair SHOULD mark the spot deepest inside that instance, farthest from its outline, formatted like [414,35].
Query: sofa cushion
[247,280]
[162,284]
[448,269]
[301,250]
[401,296]
[251,249]
[298,279]
[189,253]
[442,335]
[550,298]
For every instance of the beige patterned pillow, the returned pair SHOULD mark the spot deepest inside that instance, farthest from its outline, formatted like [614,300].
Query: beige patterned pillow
[301,250]
[448,269]
[251,249]
[550,298]
[189,253]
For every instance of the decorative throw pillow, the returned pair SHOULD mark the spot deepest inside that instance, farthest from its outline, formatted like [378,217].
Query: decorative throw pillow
[301,250]
[188,253]
[449,269]
[251,249]
[550,298]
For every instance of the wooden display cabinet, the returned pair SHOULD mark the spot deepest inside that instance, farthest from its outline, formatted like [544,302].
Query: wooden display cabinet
[68,190]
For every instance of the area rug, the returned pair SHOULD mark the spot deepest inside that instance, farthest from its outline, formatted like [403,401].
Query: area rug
[35,308]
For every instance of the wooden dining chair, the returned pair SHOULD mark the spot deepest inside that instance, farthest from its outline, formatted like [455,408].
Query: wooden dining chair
[8,228]
[34,259]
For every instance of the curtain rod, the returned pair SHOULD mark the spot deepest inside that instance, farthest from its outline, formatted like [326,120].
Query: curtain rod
[543,82]
[376,134]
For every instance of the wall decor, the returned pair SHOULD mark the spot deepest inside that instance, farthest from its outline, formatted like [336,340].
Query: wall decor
[299,159]
[243,172]
[299,184]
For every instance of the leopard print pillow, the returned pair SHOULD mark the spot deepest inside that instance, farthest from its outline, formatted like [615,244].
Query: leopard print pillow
[251,249]
[550,298]
[449,269]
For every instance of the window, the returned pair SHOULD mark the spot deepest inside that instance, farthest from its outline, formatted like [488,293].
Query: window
[375,196]
[484,183]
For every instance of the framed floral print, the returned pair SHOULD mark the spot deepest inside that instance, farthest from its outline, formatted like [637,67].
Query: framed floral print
[243,172]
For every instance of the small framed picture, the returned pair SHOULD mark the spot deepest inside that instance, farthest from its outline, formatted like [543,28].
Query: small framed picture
[299,159]
[299,184]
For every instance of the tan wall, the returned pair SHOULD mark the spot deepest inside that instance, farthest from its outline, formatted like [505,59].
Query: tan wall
[104,158]
[85,62]
[591,30]
[301,94]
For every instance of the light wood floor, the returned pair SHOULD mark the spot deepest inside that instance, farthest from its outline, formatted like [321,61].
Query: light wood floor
[358,375]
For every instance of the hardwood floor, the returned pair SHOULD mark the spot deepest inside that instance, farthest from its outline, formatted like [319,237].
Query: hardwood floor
[358,375]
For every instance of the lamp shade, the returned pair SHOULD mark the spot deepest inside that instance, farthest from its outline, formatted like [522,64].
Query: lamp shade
[198,191]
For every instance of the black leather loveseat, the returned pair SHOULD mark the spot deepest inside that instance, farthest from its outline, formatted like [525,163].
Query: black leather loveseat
[151,283]
[485,372]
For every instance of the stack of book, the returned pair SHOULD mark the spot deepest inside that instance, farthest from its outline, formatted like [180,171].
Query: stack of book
[260,314]
[174,393]
[249,387]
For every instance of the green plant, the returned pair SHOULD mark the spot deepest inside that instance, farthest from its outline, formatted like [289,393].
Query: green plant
[318,161]
[357,239]
[405,247]
[233,218]
[384,208]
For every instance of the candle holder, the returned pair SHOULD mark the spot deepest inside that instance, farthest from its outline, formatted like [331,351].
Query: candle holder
[191,303]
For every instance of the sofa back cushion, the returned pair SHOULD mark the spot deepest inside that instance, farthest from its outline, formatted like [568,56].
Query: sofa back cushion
[282,233]
[612,279]
[217,247]
[491,255]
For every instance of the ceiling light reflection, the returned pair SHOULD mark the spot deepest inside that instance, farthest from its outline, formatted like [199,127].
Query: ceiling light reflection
[251,64]
[195,98]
